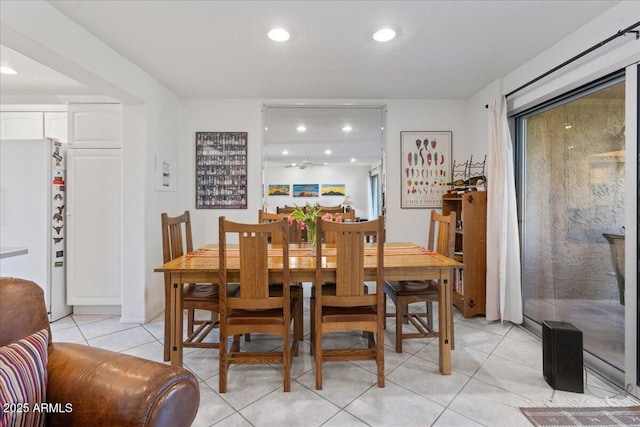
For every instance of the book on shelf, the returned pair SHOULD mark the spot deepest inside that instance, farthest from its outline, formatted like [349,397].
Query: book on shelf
[458,282]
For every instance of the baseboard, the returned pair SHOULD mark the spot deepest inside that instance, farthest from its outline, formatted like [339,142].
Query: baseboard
[97,309]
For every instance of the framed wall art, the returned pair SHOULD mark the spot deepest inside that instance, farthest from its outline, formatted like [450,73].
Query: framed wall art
[306,190]
[333,190]
[279,190]
[221,170]
[425,168]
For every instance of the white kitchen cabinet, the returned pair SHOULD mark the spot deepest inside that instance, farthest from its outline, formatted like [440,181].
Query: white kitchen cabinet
[94,221]
[21,125]
[55,125]
[94,126]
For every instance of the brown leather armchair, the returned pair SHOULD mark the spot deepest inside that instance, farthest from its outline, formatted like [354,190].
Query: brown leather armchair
[103,387]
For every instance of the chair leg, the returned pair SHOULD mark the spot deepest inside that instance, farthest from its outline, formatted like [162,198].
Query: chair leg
[429,308]
[286,359]
[191,314]
[384,318]
[312,318]
[317,355]
[380,357]
[167,326]
[399,310]
[299,320]
[224,363]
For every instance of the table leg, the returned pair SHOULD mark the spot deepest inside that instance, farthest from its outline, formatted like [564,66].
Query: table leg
[444,321]
[176,322]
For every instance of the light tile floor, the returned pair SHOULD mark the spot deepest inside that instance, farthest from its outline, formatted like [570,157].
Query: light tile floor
[497,368]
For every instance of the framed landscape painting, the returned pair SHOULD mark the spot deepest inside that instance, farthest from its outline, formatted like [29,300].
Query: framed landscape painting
[425,168]
[279,189]
[306,190]
[333,190]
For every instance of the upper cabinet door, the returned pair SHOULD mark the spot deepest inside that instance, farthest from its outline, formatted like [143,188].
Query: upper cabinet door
[21,125]
[55,125]
[95,126]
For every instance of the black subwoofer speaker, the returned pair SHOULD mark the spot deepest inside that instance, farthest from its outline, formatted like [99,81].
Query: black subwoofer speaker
[562,362]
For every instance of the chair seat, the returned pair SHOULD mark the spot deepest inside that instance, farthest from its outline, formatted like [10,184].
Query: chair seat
[349,314]
[265,317]
[250,317]
[412,288]
[201,291]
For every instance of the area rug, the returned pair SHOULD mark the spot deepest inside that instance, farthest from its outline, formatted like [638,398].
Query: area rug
[596,416]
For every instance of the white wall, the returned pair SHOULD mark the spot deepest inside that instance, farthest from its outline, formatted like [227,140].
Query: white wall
[151,119]
[419,115]
[355,179]
[245,115]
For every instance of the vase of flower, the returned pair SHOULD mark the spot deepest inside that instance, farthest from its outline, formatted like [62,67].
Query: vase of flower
[312,235]
[306,216]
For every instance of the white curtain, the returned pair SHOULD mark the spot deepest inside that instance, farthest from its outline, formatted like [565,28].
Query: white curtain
[504,290]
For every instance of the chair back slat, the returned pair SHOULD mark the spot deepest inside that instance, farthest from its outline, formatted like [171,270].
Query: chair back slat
[330,237]
[295,236]
[176,236]
[442,233]
[254,253]
[349,263]
[350,260]
[254,264]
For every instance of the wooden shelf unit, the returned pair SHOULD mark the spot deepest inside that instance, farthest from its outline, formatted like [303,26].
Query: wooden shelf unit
[471,239]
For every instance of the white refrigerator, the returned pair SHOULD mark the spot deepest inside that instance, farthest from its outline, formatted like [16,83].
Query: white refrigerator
[32,215]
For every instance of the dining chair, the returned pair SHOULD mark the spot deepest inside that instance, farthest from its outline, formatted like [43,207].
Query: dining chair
[349,307]
[285,209]
[276,288]
[332,209]
[254,309]
[329,237]
[403,293]
[176,242]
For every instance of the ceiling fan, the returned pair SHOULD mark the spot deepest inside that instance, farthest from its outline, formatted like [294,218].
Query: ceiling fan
[305,164]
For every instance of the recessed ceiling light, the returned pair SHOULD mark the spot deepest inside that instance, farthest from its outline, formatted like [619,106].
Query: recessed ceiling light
[301,128]
[278,35]
[7,70]
[327,151]
[347,128]
[384,35]
[353,159]
[285,152]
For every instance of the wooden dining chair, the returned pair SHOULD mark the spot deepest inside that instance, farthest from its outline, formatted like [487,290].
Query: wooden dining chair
[285,209]
[296,289]
[176,242]
[349,307]
[403,293]
[332,209]
[254,309]
[329,237]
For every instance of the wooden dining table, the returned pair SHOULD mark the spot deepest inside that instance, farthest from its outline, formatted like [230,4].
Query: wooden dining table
[402,261]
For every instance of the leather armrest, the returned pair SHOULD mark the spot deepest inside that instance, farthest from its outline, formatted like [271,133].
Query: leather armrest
[95,387]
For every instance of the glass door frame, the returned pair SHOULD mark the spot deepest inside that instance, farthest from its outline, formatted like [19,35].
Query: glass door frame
[630,378]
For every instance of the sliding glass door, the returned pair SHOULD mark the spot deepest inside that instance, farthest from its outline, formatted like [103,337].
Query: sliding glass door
[572,196]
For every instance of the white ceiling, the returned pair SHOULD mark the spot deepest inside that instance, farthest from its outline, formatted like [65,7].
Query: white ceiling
[219,49]
[324,132]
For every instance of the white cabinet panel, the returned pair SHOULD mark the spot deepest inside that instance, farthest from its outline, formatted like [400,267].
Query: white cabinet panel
[21,125]
[95,126]
[55,125]
[94,221]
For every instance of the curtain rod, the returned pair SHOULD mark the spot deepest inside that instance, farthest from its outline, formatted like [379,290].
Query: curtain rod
[627,30]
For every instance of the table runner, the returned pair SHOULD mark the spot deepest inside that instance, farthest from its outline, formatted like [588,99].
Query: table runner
[211,252]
